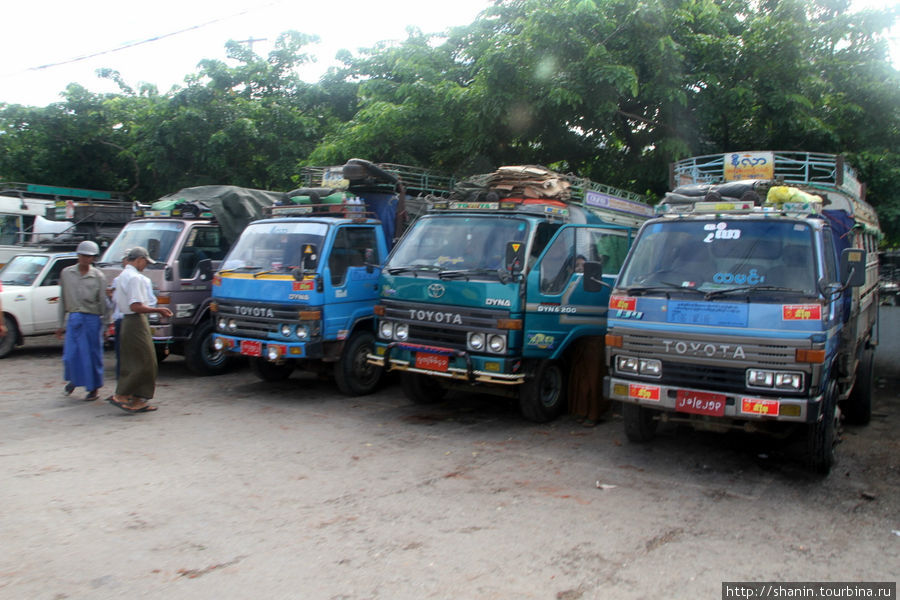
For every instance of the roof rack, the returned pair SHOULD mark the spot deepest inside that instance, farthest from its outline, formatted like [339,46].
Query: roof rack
[50,192]
[416,180]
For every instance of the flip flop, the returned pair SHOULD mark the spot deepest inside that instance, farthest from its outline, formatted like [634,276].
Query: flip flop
[92,396]
[123,406]
[147,408]
[69,389]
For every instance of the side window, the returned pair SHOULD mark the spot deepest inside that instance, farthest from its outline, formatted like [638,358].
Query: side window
[609,248]
[202,243]
[9,229]
[830,260]
[558,263]
[52,276]
[353,247]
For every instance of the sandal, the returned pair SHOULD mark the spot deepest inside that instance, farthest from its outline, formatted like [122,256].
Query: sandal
[124,406]
[92,395]
[70,387]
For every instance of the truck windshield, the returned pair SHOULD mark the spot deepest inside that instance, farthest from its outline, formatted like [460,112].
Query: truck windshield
[158,237]
[22,270]
[716,256]
[458,243]
[275,246]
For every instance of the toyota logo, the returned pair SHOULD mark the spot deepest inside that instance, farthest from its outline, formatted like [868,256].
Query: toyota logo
[435,290]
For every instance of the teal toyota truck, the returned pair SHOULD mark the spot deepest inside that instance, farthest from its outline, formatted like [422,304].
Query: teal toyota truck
[491,290]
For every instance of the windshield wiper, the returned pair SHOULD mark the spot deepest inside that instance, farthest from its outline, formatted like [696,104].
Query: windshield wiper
[501,274]
[751,288]
[665,287]
[238,269]
[413,268]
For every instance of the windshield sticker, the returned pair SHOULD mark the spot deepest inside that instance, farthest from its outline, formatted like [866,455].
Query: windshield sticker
[301,286]
[622,302]
[542,342]
[720,231]
[643,392]
[708,313]
[751,278]
[801,312]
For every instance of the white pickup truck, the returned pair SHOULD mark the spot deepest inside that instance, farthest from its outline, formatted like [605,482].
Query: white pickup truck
[30,296]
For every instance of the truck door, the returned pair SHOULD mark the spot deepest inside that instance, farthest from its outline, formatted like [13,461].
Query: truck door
[45,299]
[351,288]
[557,306]
[202,242]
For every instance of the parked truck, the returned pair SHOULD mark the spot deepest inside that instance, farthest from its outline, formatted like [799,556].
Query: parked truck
[494,289]
[751,303]
[188,234]
[298,289]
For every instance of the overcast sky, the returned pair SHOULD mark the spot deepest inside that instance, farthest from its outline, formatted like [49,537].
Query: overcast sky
[48,32]
[42,38]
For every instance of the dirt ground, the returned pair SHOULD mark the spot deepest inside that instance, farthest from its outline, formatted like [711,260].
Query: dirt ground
[237,488]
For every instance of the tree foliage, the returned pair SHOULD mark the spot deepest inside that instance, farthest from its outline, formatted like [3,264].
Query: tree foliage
[610,89]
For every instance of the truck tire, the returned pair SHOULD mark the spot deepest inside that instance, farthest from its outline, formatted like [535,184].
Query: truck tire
[162,351]
[421,389]
[269,371]
[640,426]
[8,342]
[857,409]
[200,355]
[353,373]
[822,436]
[542,397]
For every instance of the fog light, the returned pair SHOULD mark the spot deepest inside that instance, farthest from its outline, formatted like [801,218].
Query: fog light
[218,344]
[476,341]
[386,329]
[497,343]
[273,352]
[286,330]
[627,364]
[401,331]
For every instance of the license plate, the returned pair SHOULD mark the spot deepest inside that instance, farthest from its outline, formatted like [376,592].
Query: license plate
[700,403]
[251,348]
[432,362]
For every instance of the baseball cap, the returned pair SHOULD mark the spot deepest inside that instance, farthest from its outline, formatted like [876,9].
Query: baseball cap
[88,248]
[139,252]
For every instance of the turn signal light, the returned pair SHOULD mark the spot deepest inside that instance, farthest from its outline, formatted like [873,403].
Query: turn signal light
[379,310]
[163,299]
[509,324]
[310,315]
[614,341]
[809,356]
[213,307]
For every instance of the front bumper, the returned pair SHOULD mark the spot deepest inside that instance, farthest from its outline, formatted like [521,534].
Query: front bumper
[741,406]
[260,348]
[450,364]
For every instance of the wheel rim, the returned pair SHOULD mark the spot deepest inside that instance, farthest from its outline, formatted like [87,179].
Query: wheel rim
[551,386]
[364,372]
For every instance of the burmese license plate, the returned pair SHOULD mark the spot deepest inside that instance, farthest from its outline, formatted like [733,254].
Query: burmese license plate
[700,403]
[251,348]
[432,362]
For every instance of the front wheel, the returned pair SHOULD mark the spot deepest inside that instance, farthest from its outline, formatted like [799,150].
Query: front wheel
[857,409]
[822,436]
[354,375]
[8,342]
[269,371]
[640,424]
[421,389]
[199,353]
[542,397]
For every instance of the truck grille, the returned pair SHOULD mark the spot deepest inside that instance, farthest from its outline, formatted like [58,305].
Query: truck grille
[255,320]
[450,332]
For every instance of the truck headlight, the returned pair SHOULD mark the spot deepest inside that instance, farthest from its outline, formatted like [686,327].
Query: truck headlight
[302,332]
[221,324]
[401,331]
[273,352]
[476,341]
[386,330]
[497,343]
[627,364]
[232,325]
[779,380]
[285,330]
[650,367]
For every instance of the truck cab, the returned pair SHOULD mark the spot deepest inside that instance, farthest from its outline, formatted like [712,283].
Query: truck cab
[30,295]
[750,304]
[494,293]
[187,233]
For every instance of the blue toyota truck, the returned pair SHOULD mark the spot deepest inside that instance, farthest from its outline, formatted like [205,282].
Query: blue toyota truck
[751,302]
[297,290]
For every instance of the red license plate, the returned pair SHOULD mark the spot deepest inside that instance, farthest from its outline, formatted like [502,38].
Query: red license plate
[432,362]
[251,348]
[700,403]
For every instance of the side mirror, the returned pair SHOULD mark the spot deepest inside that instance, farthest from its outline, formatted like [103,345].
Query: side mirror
[515,257]
[205,268]
[593,277]
[853,267]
